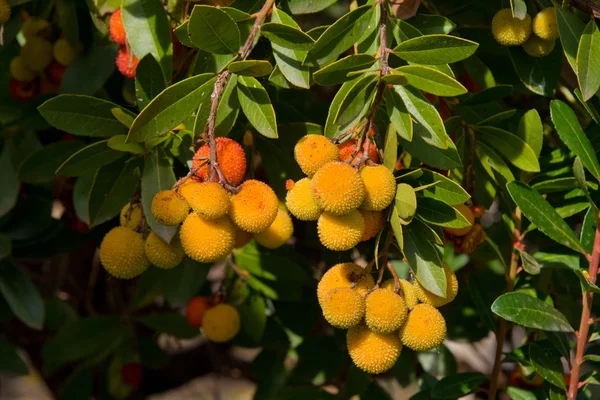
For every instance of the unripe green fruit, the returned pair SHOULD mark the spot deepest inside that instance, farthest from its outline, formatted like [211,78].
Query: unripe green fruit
[36,54]
[19,71]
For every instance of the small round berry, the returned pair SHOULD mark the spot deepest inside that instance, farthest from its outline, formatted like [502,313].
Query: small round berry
[342,276]
[33,26]
[545,25]
[510,31]
[407,289]
[343,307]
[385,311]
[131,215]
[372,352]
[36,54]
[313,151]
[300,201]
[169,208]
[63,52]
[122,253]
[55,72]
[187,188]
[230,157]
[278,233]
[437,301]
[254,208]
[374,223]
[162,254]
[24,91]
[206,240]
[337,188]
[468,214]
[195,310]
[19,71]
[126,64]
[380,187]
[210,200]
[340,233]
[425,328]
[537,47]
[116,28]
[221,323]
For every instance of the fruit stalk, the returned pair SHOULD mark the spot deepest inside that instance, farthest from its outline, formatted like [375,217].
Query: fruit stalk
[584,326]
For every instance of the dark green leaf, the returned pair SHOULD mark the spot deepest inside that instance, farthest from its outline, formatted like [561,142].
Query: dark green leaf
[399,115]
[257,106]
[444,189]
[491,160]
[182,283]
[431,80]
[251,67]
[307,7]
[579,174]
[124,117]
[79,385]
[90,71]
[432,156]
[118,143]
[459,385]
[437,362]
[547,364]
[530,264]
[8,182]
[81,195]
[490,94]
[182,34]
[482,303]
[5,246]
[287,36]
[337,72]
[591,106]
[423,257]
[429,24]
[357,101]
[437,212]
[435,49]
[89,158]
[172,323]
[510,146]
[213,30]
[588,230]
[570,28]
[289,60]
[588,61]
[530,312]
[253,320]
[497,118]
[11,362]
[21,295]
[229,108]
[395,78]
[538,74]
[331,129]
[41,166]
[149,81]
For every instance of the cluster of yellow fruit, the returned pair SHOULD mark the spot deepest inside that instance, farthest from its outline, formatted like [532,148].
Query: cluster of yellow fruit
[380,321]
[511,31]
[347,203]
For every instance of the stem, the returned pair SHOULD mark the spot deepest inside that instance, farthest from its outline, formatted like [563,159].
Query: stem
[511,277]
[396,279]
[584,326]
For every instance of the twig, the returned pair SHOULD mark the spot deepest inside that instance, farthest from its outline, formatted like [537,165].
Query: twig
[397,289]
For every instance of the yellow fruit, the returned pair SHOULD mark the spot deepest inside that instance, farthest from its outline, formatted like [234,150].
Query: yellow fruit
[407,290]
[545,25]
[385,311]
[343,307]
[425,328]
[340,233]
[36,54]
[33,26]
[122,253]
[169,208]
[132,220]
[206,240]
[451,290]
[343,275]
[374,222]
[278,232]
[255,207]
[162,254]
[313,151]
[300,202]
[63,52]
[242,238]
[509,31]
[371,351]
[221,323]
[537,47]
[337,188]
[468,214]
[380,187]
[210,200]
[4,11]
[187,189]
[19,71]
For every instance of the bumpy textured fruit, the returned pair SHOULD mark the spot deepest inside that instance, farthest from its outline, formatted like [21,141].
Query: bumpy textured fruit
[343,307]
[468,214]
[63,52]
[437,301]
[509,31]
[19,70]
[33,26]
[278,232]
[4,11]
[210,200]
[545,25]
[162,254]
[347,149]
[300,202]
[255,207]
[385,311]
[407,289]
[55,72]
[374,222]
[195,310]
[371,351]
[169,208]
[126,64]
[24,91]
[313,151]
[36,54]
[380,187]
[425,328]
[340,232]
[342,276]
[206,240]
[221,323]
[116,28]
[337,188]
[122,253]
[130,219]
[537,47]
[242,238]
[230,157]
[187,189]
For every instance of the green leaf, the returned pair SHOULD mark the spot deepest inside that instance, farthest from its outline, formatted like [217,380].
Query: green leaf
[435,49]
[182,34]
[228,109]
[213,30]
[405,202]
[346,31]
[516,393]
[118,143]
[113,186]
[357,101]
[488,95]
[79,385]
[331,129]
[481,301]
[530,264]
[538,74]
[81,195]
[491,160]
[531,130]
[437,212]
[588,61]
[171,323]
[253,320]
[251,67]
[148,31]
[423,257]
[8,182]
[396,224]
[41,166]
[82,115]
[432,156]
[158,175]
[519,8]
[395,78]
[541,213]
[124,117]
[182,283]
[510,146]
[307,7]
[458,385]
[90,71]
[579,174]
[592,357]
[89,158]
[547,363]
[568,128]
[479,72]
[337,72]
[5,246]
[570,28]
[257,106]
[390,152]
[429,24]
[440,187]
[149,81]
[171,107]
[287,36]
[289,59]
[497,118]
[591,106]
[21,295]
[530,312]
[399,115]
[431,80]
[11,362]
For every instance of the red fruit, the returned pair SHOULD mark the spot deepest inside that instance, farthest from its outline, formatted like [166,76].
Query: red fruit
[116,29]
[126,64]
[230,157]
[347,149]
[195,310]
[55,71]
[469,83]
[131,374]
[432,98]
[24,91]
